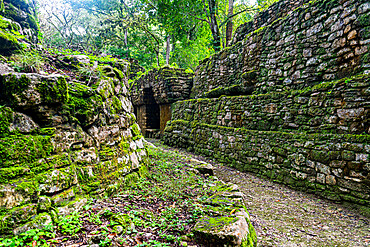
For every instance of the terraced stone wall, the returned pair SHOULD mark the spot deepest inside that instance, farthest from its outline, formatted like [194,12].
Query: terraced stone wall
[61,140]
[290,102]
[340,106]
[320,41]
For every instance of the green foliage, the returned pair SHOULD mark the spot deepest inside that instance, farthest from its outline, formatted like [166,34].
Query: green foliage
[139,29]
[28,62]
[33,237]
[70,224]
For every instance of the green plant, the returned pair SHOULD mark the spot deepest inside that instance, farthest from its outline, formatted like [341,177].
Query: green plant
[106,241]
[154,243]
[28,62]
[32,237]
[70,224]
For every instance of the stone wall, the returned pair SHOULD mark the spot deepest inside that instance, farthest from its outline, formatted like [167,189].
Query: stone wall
[277,10]
[167,84]
[18,25]
[61,140]
[319,41]
[153,93]
[334,107]
[290,102]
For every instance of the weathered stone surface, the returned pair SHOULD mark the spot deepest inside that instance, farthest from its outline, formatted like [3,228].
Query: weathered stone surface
[61,140]
[18,26]
[205,168]
[325,159]
[153,93]
[167,84]
[285,48]
[220,231]
[320,109]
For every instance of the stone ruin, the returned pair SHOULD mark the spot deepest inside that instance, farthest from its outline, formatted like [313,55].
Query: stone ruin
[154,92]
[61,139]
[289,100]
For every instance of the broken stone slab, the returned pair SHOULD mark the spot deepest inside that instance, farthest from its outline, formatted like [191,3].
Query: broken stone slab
[223,231]
[81,59]
[227,222]
[39,222]
[205,168]
[202,167]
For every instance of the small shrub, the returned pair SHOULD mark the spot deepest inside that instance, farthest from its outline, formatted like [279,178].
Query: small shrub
[28,62]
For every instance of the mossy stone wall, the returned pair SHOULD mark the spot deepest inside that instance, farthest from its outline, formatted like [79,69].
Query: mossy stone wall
[60,142]
[277,10]
[167,85]
[289,101]
[322,40]
[18,25]
[153,93]
[340,106]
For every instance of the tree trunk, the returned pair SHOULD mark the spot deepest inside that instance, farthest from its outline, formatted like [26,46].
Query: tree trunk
[229,26]
[168,49]
[126,44]
[157,54]
[214,26]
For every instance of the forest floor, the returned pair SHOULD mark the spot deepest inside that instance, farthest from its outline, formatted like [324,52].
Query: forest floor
[284,217]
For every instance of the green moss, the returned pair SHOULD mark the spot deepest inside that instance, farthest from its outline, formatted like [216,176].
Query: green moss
[47,131]
[107,152]
[123,220]
[32,22]
[11,85]
[135,129]
[251,240]
[25,149]
[52,92]
[27,187]
[124,147]
[7,174]
[6,117]
[364,19]
[117,104]
[131,179]
[9,36]
[320,156]
[214,224]
[82,104]
[119,74]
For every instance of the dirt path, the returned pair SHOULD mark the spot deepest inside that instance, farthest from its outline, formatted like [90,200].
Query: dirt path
[284,217]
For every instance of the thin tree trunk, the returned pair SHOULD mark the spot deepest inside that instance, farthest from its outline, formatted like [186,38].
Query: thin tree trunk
[168,49]
[229,27]
[126,44]
[157,54]
[214,26]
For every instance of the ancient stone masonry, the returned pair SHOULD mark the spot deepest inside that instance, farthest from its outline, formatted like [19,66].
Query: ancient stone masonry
[154,92]
[319,41]
[278,10]
[60,140]
[340,106]
[289,101]
[18,25]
